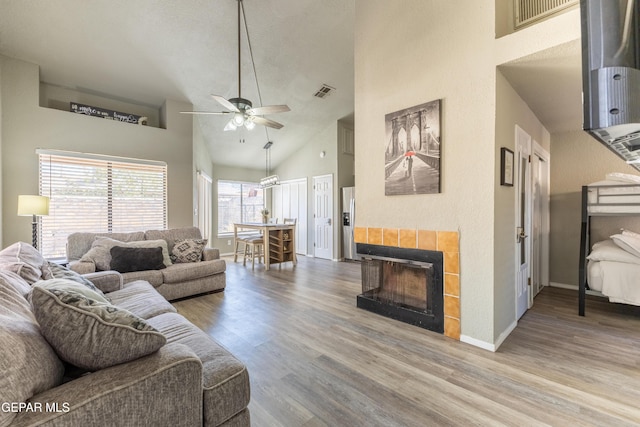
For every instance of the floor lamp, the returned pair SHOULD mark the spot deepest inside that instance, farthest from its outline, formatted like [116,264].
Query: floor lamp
[33,206]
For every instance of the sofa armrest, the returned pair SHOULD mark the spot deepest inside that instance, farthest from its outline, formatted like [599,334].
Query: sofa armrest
[106,281]
[82,267]
[210,253]
[163,388]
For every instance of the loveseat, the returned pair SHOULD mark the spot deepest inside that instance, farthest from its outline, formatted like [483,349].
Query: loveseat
[90,252]
[71,355]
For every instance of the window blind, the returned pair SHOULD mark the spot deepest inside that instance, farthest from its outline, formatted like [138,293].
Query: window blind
[99,194]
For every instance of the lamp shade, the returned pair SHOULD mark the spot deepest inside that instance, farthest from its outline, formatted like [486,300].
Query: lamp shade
[33,205]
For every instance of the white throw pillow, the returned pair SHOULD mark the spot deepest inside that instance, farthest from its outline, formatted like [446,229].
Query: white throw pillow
[607,250]
[630,244]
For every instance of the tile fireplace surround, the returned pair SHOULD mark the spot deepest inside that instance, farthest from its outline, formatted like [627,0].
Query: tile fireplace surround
[446,242]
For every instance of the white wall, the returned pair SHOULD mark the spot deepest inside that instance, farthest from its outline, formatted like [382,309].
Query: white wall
[511,110]
[306,162]
[1,155]
[577,160]
[434,50]
[27,126]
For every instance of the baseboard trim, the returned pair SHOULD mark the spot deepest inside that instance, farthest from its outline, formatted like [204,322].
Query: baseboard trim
[563,286]
[575,288]
[477,343]
[503,336]
[488,346]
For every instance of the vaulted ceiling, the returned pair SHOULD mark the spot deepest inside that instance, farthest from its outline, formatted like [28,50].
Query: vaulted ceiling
[146,51]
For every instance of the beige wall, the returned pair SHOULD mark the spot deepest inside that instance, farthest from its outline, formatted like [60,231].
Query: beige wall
[1,174]
[438,50]
[307,163]
[511,110]
[577,160]
[27,126]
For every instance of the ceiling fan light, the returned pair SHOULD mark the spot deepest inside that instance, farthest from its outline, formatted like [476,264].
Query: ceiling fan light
[249,124]
[238,119]
[230,126]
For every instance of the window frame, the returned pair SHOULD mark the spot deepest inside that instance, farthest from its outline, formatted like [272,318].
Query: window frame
[223,234]
[116,180]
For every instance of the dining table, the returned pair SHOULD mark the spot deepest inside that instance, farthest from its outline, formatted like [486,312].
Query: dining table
[279,240]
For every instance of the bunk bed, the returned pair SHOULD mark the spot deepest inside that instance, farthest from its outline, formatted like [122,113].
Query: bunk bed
[611,266]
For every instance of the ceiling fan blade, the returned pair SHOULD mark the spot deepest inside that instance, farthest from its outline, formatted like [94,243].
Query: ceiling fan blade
[205,112]
[268,109]
[226,104]
[266,122]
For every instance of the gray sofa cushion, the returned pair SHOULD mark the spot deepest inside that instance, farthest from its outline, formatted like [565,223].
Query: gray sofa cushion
[194,270]
[141,299]
[225,379]
[173,234]
[79,244]
[154,277]
[27,362]
[57,271]
[88,331]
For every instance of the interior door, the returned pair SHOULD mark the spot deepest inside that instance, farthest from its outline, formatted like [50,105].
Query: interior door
[540,223]
[323,216]
[523,220]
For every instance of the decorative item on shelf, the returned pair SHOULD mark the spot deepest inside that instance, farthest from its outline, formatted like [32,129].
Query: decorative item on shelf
[265,215]
[33,206]
[104,113]
[286,235]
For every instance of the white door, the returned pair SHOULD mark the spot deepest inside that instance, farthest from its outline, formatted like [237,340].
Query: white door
[289,200]
[523,220]
[322,216]
[540,189]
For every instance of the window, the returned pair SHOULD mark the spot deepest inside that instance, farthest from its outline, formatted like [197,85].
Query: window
[99,194]
[238,202]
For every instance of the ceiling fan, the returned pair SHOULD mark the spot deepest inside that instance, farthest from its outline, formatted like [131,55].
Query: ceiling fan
[244,114]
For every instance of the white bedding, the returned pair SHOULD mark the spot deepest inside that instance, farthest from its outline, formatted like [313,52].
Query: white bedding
[619,281]
[614,272]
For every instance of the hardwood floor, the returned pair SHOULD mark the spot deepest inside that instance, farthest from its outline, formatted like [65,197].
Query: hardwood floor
[314,359]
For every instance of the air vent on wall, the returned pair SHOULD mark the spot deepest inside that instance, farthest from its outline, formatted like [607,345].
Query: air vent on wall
[324,91]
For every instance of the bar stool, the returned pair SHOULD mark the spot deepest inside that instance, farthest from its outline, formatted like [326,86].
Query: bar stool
[253,248]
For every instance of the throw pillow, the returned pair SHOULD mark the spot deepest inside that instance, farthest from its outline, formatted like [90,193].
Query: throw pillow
[24,260]
[188,250]
[60,272]
[100,252]
[86,330]
[630,244]
[125,260]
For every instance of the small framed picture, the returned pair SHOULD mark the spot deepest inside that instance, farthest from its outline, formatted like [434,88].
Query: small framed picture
[506,167]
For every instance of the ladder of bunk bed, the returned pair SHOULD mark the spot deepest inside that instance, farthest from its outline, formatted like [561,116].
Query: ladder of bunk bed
[584,249]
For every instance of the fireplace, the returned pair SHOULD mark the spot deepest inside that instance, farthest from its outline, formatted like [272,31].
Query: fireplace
[403,284]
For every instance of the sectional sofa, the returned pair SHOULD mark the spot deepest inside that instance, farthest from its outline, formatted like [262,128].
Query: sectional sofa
[72,355]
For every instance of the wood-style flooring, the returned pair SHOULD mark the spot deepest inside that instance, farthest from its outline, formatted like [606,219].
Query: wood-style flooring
[314,359]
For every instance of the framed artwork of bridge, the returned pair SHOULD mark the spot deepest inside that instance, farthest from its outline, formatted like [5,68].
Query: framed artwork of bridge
[412,150]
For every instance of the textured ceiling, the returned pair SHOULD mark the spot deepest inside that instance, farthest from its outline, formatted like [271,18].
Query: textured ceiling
[550,82]
[149,50]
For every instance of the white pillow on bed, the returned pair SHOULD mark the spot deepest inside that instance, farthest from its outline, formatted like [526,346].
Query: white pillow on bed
[629,243]
[607,250]
[630,233]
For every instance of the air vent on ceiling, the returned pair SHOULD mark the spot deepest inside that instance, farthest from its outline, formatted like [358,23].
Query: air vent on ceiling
[324,91]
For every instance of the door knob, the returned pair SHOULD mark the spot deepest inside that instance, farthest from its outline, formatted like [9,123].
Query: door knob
[521,235]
